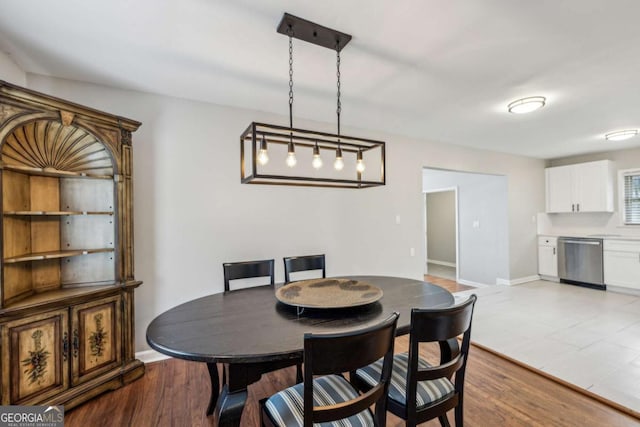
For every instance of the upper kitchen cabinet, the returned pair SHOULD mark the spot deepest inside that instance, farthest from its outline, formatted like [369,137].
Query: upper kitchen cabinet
[583,187]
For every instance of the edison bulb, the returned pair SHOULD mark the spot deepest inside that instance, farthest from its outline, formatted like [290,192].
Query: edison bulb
[263,157]
[291,159]
[338,164]
[316,162]
[360,166]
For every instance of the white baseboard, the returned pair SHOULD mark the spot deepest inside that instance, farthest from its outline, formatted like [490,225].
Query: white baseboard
[623,290]
[474,284]
[518,281]
[445,263]
[148,356]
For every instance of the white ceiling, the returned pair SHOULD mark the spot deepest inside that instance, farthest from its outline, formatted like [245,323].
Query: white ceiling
[438,70]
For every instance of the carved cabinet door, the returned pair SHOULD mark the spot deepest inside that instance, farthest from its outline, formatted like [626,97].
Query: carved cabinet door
[36,348]
[96,338]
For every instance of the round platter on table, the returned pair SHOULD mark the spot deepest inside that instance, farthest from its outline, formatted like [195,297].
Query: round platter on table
[328,293]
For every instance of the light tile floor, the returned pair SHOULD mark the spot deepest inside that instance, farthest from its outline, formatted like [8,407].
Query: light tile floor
[587,337]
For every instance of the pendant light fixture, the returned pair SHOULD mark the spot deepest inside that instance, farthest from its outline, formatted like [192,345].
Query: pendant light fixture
[263,157]
[338,164]
[317,160]
[255,166]
[360,163]
[291,155]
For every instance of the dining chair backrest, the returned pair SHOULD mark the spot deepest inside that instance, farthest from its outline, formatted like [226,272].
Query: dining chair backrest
[303,263]
[444,326]
[326,354]
[248,270]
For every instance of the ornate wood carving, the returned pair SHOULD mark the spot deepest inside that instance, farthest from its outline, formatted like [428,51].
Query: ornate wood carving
[66,117]
[53,147]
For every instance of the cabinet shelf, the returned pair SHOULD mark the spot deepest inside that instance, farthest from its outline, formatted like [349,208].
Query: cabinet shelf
[37,256]
[54,172]
[53,296]
[55,213]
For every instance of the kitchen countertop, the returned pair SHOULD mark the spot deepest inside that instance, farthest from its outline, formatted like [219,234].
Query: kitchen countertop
[595,236]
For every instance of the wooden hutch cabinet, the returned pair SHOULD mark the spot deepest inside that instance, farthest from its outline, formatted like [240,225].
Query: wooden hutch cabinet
[67,282]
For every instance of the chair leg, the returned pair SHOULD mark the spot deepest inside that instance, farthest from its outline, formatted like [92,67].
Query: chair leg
[444,421]
[458,413]
[264,418]
[299,377]
[224,375]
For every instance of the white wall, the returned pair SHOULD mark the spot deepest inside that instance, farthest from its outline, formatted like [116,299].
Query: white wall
[483,251]
[10,71]
[192,214]
[441,226]
[592,223]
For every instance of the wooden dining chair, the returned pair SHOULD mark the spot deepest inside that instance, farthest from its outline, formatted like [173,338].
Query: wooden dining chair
[330,397]
[236,271]
[303,263]
[248,270]
[418,391]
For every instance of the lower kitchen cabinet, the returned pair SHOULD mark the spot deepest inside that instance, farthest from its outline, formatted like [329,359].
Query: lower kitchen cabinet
[548,256]
[622,263]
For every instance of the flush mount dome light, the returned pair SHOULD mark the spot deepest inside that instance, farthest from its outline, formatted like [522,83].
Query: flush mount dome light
[621,135]
[526,105]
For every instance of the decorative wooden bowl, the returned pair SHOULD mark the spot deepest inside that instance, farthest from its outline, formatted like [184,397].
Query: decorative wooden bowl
[328,293]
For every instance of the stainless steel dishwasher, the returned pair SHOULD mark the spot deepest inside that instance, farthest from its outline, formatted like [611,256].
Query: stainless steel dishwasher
[580,261]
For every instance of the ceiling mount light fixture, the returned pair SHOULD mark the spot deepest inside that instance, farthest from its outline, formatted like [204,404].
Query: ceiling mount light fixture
[621,135]
[257,135]
[527,105]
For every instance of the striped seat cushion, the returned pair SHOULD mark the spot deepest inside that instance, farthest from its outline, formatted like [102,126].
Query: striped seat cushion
[286,407]
[427,391]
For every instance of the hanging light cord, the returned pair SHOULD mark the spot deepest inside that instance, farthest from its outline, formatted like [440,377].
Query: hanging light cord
[291,79]
[339,105]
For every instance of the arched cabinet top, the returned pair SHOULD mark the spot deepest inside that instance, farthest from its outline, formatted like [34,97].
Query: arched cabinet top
[53,147]
[41,132]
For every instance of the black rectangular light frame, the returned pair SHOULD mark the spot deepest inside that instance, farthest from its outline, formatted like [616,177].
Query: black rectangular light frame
[304,138]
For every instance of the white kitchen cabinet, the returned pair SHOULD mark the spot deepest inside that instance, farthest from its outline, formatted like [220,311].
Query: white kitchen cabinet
[548,256]
[622,263]
[582,187]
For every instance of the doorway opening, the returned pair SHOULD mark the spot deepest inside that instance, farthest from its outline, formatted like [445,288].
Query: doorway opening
[481,238]
[441,233]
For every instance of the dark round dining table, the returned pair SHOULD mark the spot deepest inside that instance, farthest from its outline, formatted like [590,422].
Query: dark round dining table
[252,333]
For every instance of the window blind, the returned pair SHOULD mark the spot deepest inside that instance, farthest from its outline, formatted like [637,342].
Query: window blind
[632,198]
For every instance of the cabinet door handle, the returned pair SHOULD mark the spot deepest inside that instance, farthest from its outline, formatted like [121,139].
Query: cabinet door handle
[554,251]
[578,207]
[573,207]
[65,346]
[76,343]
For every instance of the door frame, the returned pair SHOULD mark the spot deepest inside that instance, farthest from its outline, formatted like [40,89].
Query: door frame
[424,226]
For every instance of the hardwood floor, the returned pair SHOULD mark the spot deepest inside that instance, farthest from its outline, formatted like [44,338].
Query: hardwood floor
[498,392]
[449,285]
